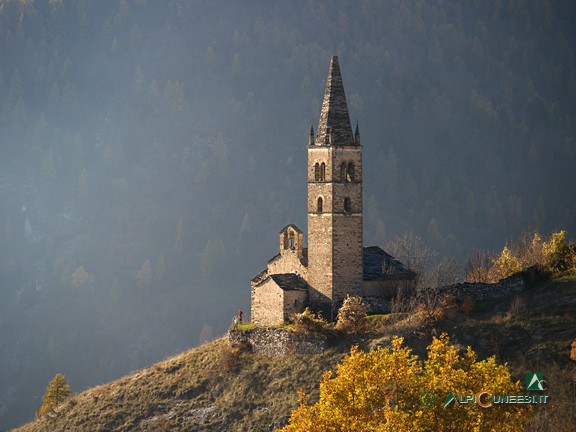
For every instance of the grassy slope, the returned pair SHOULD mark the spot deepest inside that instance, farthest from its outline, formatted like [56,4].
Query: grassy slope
[192,391]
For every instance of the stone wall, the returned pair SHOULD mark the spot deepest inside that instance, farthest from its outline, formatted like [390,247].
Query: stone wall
[486,291]
[287,262]
[275,342]
[272,305]
[295,301]
[267,303]
[477,291]
[348,255]
[388,288]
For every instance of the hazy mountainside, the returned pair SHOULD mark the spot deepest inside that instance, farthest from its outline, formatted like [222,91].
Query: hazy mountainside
[210,388]
[151,151]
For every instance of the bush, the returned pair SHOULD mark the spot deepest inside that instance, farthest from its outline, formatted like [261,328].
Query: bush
[449,307]
[518,308]
[505,265]
[352,315]
[384,389]
[554,255]
[308,322]
[467,306]
[229,358]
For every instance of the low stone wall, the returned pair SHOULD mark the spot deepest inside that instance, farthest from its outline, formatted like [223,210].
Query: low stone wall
[275,342]
[476,291]
[486,291]
[377,305]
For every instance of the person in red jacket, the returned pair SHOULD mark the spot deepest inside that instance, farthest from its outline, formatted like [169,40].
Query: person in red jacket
[240,313]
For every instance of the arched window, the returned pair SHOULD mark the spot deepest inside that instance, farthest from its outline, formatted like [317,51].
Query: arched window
[350,171]
[317,172]
[291,240]
[319,205]
[323,172]
[343,172]
[347,205]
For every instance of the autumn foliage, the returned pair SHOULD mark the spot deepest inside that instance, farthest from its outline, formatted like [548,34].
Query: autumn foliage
[57,392]
[352,315]
[381,390]
[554,255]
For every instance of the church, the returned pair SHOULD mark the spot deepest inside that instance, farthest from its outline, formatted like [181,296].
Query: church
[335,263]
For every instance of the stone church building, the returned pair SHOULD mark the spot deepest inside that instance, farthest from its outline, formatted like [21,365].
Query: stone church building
[335,263]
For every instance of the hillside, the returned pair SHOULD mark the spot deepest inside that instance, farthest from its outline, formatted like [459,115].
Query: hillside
[150,150]
[202,389]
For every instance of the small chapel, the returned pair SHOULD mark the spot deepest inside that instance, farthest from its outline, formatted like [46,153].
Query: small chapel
[335,263]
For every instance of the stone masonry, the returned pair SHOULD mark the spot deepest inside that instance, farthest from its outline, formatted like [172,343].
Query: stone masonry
[276,342]
[333,264]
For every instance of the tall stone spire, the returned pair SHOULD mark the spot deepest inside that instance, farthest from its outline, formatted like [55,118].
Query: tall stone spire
[334,127]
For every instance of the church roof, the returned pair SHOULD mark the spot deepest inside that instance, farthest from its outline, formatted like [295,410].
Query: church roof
[379,265]
[289,281]
[334,117]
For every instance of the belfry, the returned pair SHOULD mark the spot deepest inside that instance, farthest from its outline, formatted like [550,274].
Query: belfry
[334,201]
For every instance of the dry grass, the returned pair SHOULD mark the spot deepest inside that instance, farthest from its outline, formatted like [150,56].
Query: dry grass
[195,391]
[559,414]
[215,388]
[518,308]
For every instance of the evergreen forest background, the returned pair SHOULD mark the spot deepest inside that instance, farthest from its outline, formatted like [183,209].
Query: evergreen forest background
[150,151]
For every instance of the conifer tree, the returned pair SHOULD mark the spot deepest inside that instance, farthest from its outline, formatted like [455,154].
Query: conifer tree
[58,391]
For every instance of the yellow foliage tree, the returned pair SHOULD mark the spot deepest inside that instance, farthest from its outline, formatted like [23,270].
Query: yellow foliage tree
[393,390]
[57,392]
[505,265]
[556,251]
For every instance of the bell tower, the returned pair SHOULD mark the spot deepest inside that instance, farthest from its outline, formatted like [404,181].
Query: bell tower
[335,266]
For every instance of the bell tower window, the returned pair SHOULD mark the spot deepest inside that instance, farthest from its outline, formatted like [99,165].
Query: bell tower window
[319,205]
[323,172]
[317,172]
[343,172]
[350,171]
[347,205]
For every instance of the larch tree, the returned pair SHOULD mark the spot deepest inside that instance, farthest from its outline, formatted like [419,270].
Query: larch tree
[58,391]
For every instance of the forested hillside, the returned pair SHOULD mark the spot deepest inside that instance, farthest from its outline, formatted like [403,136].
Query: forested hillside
[150,151]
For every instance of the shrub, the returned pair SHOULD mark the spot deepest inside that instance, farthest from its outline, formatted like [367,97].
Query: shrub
[384,390]
[449,307]
[505,265]
[229,358]
[467,306]
[352,315]
[554,255]
[518,308]
[308,322]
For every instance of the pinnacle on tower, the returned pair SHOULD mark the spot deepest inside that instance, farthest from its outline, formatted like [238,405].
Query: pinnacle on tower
[311,137]
[357,135]
[334,126]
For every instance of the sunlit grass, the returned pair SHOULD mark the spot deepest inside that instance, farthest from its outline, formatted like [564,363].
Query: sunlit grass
[567,276]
